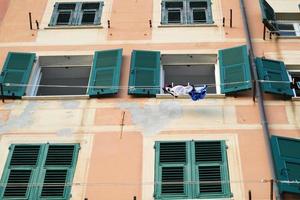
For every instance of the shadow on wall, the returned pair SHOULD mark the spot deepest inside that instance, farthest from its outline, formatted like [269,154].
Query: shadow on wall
[3,9]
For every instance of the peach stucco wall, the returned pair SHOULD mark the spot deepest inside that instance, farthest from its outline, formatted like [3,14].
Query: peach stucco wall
[115,167]
[116,156]
[15,25]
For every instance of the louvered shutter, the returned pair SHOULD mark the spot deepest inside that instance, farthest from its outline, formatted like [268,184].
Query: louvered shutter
[19,171]
[105,73]
[234,67]
[268,16]
[273,70]
[144,73]
[211,169]
[58,171]
[16,70]
[287,162]
[172,169]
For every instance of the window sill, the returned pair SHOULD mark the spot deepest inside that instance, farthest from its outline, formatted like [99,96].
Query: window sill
[295,98]
[74,27]
[58,97]
[208,96]
[288,37]
[186,25]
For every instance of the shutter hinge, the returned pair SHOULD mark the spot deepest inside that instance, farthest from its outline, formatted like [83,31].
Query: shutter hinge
[154,146]
[226,146]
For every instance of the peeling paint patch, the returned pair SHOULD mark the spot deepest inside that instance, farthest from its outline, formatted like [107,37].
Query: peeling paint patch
[16,121]
[65,132]
[70,104]
[153,118]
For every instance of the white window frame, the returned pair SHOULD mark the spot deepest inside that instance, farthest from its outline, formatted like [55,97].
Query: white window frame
[296,25]
[36,77]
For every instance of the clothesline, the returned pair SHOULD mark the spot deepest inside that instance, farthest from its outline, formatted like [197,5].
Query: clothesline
[262,181]
[135,87]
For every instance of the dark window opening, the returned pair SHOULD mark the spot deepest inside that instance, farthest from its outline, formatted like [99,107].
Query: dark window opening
[296,76]
[63,76]
[88,17]
[199,15]
[174,16]
[88,6]
[63,18]
[198,4]
[193,75]
[69,6]
[286,30]
[174,4]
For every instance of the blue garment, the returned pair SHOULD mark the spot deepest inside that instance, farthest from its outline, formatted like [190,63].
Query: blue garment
[198,93]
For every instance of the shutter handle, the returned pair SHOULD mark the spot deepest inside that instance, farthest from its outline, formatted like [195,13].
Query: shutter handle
[266,77]
[284,172]
[132,71]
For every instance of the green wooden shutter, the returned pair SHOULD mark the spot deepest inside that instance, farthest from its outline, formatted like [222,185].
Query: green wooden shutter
[273,70]
[268,16]
[171,170]
[287,162]
[16,70]
[144,73]
[58,171]
[211,170]
[19,172]
[234,67]
[105,73]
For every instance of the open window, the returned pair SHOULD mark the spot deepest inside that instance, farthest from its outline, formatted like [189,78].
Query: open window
[288,24]
[294,73]
[67,72]
[282,24]
[25,74]
[190,69]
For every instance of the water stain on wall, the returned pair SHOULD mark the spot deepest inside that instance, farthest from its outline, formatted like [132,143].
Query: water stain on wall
[153,118]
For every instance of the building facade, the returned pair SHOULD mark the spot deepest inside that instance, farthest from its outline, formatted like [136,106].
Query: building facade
[84,116]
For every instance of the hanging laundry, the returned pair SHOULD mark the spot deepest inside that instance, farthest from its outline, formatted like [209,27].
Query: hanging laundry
[196,93]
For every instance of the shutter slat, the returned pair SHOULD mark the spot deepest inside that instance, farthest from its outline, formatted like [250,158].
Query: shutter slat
[60,155]
[210,179]
[274,70]
[268,16]
[25,155]
[208,151]
[54,183]
[172,180]
[234,67]
[16,70]
[106,72]
[144,73]
[172,152]
[17,184]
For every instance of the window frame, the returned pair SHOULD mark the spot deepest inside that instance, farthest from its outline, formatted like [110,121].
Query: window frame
[186,12]
[76,14]
[296,26]
[192,191]
[98,13]
[38,170]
